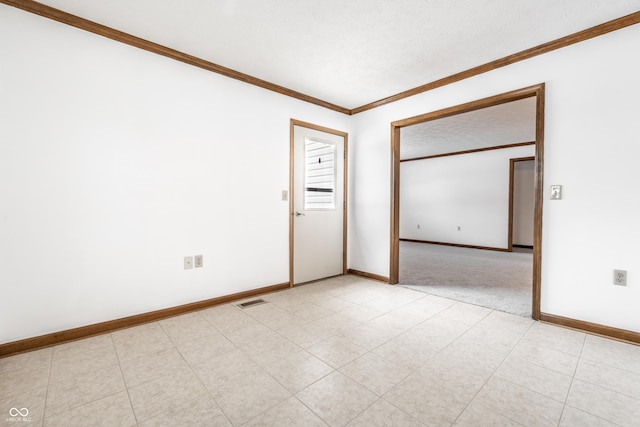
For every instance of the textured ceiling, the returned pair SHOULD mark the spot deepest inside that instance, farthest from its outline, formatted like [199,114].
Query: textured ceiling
[503,124]
[349,52]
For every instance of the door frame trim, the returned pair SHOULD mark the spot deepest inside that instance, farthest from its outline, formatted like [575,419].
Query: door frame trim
[537,91]
[345,136]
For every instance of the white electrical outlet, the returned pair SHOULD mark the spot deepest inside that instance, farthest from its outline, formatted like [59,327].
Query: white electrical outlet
[198,259]
[620,277]
[188,262]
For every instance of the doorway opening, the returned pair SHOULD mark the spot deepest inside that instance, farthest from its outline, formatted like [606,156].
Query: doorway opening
[317,203]
[521,203]
[473,231]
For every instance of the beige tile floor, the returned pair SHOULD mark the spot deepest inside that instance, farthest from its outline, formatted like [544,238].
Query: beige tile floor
[344,351]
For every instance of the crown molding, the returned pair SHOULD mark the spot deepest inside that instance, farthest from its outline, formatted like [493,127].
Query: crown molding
[131,40]
[111,33]
[598,30]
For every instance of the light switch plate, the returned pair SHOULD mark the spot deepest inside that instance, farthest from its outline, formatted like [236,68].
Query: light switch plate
[556,192]
[285,195]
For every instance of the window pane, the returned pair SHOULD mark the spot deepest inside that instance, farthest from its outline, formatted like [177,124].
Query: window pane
[319,175]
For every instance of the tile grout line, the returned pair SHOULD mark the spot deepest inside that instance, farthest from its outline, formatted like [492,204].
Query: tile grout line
[46,395]
[400,409]
[262,370]
[208,393]
[381,397]
[68,374]
[86,372]
[540,394]
[539,365]
[307,406]
[302,349]
[413,371]
[406,330]
[333,370]
[609,389]
[573,378]
[277,403]
[458,338]
[494,371]
[124,381]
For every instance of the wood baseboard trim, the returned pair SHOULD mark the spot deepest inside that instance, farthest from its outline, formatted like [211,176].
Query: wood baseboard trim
[368,275]
[55,338]
[592,328]
[457,245]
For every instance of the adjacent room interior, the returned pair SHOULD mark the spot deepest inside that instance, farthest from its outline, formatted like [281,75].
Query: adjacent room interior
[467,206]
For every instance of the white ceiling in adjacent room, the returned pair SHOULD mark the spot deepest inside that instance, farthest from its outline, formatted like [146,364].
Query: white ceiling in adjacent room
[504,124]
[349,52]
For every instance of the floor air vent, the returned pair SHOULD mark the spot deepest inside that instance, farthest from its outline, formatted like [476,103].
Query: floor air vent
[251,303]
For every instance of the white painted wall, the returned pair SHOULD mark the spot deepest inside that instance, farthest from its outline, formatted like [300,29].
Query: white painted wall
[469,191]
[523,202]
[115,163]
[591,147]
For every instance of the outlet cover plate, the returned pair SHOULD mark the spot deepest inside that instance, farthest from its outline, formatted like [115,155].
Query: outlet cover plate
[188,262]
[198,261]
[620,277]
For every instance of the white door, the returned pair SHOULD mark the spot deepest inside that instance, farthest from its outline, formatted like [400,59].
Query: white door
[318,204]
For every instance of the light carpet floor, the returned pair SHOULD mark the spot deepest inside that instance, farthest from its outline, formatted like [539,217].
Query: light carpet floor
[497,280]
